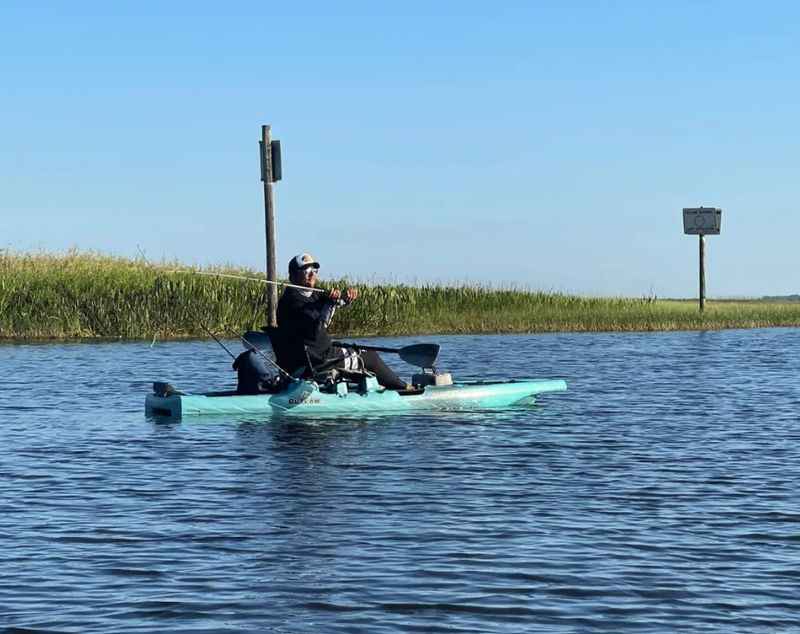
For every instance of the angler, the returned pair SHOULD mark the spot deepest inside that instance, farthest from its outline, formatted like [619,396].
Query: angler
[303,320]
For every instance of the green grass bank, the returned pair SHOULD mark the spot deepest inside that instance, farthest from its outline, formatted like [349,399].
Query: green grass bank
[86,296]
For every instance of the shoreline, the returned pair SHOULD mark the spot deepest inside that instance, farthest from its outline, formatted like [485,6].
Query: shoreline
[9,341]
[578,329]
[80,297]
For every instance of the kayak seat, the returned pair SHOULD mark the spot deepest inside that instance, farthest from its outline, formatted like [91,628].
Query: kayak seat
[290,356]
[293,358]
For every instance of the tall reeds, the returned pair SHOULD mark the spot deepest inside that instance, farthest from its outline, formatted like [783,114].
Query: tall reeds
[79,295]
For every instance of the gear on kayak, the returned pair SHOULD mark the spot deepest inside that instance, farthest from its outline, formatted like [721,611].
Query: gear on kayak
[253,377]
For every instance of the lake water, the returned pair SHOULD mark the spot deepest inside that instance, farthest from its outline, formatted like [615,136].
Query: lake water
[659,494]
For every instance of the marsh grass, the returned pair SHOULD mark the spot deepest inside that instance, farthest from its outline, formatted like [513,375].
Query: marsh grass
[84,295]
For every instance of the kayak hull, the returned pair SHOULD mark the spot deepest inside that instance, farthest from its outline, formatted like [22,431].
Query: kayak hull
[305,398]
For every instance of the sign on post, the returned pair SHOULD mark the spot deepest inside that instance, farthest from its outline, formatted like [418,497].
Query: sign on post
[702,221]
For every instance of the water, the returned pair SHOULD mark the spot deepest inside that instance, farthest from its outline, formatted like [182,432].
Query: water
[659,494]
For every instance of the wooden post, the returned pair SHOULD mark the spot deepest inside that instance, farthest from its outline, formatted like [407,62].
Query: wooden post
[702,272]
[269,216]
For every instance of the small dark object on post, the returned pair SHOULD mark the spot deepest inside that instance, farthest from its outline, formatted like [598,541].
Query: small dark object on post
[275,151]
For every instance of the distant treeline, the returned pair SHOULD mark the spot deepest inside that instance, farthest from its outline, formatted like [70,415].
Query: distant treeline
[781,298]
[79,296]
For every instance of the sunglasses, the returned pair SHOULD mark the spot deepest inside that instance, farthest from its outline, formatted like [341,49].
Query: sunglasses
[310,269]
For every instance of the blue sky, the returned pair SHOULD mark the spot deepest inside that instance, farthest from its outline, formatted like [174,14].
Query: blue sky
[543,145]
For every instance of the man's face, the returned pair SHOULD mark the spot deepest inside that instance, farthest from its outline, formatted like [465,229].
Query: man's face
[307,276]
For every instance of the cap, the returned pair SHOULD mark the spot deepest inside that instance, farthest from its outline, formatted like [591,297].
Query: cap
[302,261]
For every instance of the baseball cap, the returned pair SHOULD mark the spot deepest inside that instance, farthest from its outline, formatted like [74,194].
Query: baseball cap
[302,261]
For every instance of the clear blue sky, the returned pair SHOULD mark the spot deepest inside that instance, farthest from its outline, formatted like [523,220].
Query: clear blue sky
[546,145]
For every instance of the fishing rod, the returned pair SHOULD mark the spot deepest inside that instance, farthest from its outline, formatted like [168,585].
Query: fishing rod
[235,277]
[251,279]
[241,277]
[214,337]
[264,356]
[249,345]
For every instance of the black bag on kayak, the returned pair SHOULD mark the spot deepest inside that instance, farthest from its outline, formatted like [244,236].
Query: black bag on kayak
[253,375]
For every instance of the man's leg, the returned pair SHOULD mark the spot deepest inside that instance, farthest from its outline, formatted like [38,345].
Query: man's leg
[385,375]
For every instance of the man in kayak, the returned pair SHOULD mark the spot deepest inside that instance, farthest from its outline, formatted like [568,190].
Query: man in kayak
[304,317]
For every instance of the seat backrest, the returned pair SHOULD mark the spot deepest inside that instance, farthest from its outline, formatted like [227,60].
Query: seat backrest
[290,355]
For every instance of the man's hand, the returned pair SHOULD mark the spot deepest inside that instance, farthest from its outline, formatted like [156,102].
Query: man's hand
[350,295]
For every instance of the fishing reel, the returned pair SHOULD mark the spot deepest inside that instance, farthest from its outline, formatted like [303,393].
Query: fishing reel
[272,384]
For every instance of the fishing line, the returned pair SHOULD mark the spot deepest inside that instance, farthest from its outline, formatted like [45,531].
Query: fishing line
[149,265]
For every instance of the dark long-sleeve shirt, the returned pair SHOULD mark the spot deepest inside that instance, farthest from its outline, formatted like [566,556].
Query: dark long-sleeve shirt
[304,317]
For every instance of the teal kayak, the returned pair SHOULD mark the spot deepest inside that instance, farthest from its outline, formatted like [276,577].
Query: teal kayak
[305,397]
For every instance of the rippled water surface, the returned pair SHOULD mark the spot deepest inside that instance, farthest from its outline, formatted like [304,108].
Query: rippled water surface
[660,493]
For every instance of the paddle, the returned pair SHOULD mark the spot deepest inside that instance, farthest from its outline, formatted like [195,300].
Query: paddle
[422,355]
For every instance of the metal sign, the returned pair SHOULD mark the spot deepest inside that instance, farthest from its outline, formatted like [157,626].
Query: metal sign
[702,220]
[275,160]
